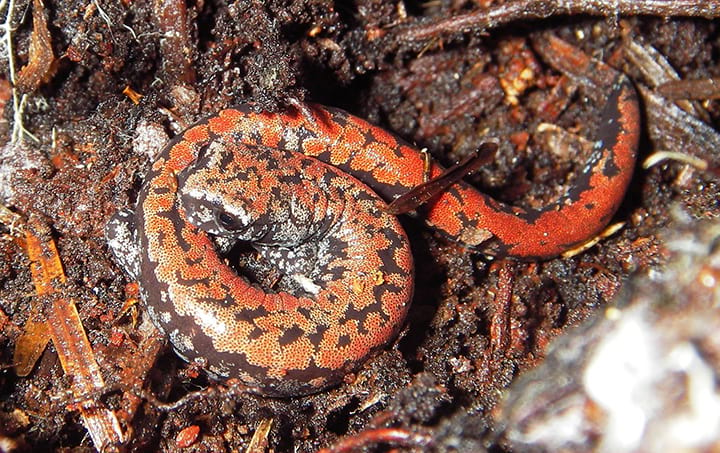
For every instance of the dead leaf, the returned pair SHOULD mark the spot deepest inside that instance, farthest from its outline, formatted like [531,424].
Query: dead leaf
[41,63]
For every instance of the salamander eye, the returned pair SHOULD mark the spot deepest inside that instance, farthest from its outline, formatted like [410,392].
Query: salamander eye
[228,221]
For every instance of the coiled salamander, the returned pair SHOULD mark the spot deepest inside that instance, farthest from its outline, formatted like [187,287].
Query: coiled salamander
[282,182]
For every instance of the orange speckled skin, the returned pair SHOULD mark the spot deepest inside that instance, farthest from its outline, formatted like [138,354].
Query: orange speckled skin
[277,180]
[277,343]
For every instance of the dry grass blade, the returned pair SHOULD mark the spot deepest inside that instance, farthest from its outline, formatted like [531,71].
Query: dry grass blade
[64,327]
[30,346]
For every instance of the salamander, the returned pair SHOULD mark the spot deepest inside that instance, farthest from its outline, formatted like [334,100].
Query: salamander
[307,188]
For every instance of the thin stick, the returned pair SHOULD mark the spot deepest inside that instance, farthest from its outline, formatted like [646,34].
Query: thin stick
[485,19]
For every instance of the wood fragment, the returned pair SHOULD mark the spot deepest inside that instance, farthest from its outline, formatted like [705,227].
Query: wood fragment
[171,19]
[699,89]
[672,129]
[483,19]
[657,70]
[259,441]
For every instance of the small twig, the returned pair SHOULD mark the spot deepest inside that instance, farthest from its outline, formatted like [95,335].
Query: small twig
[699,89]
[485,19]
[593,241]
[661,156]
[500,328]
[230,388]
[259,441]
[672,129]
[391,436]
[176,46]
[657,70]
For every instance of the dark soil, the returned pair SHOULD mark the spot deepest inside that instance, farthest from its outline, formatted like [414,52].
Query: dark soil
[475,323]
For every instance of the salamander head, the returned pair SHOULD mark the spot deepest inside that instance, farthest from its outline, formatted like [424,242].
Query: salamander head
[214,201]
